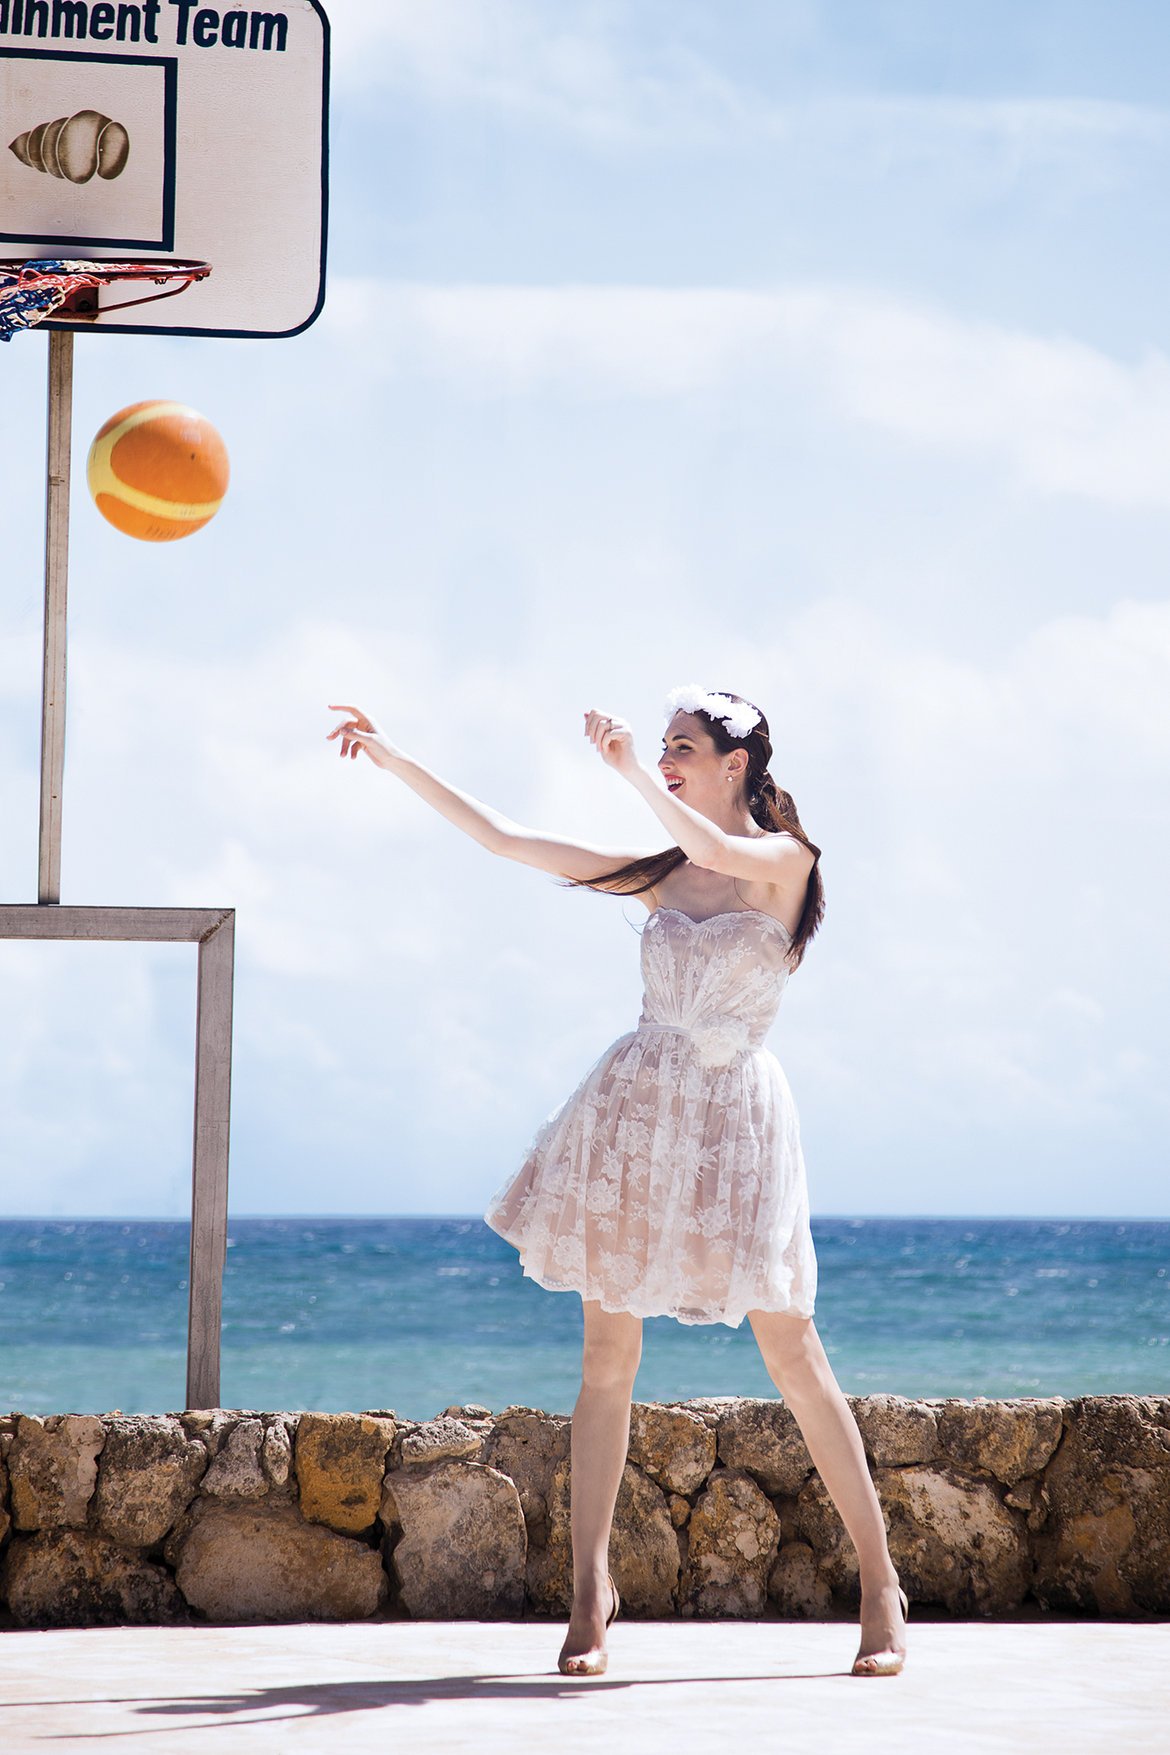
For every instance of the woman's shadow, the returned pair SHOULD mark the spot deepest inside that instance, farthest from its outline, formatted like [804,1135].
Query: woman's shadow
[324,1699]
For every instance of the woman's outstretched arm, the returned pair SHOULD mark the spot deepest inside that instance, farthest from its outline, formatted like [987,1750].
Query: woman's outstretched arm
[491,828]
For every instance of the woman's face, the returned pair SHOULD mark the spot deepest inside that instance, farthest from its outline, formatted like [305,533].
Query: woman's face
[692,767]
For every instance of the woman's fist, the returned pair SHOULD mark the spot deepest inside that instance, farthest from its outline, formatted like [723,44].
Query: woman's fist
[613,738]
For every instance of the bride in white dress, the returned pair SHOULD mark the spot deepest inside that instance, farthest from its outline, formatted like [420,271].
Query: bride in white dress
[671,1181]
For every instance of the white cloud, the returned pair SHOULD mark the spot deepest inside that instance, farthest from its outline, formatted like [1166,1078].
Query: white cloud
[1088,118]
[401,992]
[95,1069]
[551,67]
[620,75]
[1064,417]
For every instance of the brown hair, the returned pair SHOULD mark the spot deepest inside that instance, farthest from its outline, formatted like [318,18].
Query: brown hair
[771,807]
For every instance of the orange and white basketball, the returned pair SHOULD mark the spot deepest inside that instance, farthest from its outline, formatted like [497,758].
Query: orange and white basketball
[158,470]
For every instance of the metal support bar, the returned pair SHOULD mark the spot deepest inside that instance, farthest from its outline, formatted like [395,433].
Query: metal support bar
[124,925]
[209,1176]
[213,930]
[60,428]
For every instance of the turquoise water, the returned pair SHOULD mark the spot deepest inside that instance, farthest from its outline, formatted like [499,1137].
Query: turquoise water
[417,1313]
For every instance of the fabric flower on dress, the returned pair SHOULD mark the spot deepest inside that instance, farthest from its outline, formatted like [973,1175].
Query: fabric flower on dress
[720,1042]
[738,716]
[569,1254]
[603,1196]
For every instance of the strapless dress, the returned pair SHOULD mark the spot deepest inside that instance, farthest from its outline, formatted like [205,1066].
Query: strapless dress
[671,1181]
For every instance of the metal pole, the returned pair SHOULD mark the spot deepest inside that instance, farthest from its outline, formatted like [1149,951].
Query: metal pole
[209,1178]
[60,427]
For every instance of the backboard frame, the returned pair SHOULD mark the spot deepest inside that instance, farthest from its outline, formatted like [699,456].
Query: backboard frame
[37,242]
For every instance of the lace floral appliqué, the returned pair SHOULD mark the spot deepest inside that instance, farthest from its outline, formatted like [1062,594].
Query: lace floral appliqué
[671,1181]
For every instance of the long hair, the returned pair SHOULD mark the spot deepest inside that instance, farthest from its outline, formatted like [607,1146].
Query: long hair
[770,806]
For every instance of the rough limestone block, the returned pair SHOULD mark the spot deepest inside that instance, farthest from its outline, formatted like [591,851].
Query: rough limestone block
[762,1438]
[5,1514]
[796,1586]
[77,1578]
[895,1429]
[951,1539]
[711,1409]
[812,1518]
[53,1466]
[201,1423]
[644,1554]
[277,1449]
[734,1533]
[214,1426]
[340,1460]
[956,1541]
[441,1439]
[263,1562]
[674,1446]
[644,1551]
[148,1476]
[1032,1498]
[1105,1546]
[1008,1439]
[528,1446]
[237,1471]
[459,1541]
[549,1573]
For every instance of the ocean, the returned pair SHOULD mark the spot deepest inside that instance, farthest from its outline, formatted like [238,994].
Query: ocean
[415,1314]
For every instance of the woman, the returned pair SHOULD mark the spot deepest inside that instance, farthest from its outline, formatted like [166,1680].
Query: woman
[671,1181]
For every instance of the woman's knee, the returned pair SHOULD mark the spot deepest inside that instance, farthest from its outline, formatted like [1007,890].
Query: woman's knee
[790,1346]
[612,1348]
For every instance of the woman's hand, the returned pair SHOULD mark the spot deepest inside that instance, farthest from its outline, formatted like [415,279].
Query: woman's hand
[614,740]
[360,732]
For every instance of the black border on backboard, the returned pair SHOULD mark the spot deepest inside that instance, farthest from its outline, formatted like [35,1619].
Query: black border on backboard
[170,67]
[247,334]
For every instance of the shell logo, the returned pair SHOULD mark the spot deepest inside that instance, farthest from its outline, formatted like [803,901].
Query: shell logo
[75,147]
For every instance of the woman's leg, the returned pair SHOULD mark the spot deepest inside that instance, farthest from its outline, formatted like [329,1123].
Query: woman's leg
[600,1439]
[800,1369]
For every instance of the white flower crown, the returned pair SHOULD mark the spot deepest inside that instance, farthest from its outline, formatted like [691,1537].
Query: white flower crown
[738,716]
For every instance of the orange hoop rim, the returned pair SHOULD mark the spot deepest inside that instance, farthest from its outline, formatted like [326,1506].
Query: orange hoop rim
[114,268]
[87,273]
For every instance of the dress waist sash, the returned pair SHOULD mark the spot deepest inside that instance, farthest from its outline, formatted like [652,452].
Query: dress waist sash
[718,1042]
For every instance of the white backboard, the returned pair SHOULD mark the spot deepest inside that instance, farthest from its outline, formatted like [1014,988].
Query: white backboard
[171,128]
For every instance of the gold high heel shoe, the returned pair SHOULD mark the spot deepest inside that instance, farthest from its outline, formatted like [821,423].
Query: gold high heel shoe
[585,1665]
[881,1665]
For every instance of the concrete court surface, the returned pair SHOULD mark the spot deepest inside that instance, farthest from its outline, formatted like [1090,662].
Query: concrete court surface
[719,1686]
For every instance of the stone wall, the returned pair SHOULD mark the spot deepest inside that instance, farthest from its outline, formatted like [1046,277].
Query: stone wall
[238,1516]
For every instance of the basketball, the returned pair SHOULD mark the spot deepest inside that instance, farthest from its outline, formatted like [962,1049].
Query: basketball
[158,471]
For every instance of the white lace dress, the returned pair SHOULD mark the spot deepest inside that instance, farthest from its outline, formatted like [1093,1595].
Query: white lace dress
[671,1181]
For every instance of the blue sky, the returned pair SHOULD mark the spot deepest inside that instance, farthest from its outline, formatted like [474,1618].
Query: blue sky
[816,352]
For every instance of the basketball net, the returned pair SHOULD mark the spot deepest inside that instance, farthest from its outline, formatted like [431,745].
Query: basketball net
[31,291]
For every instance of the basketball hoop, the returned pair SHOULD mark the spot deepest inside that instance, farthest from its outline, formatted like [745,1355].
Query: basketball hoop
[227,154]
[37,288]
